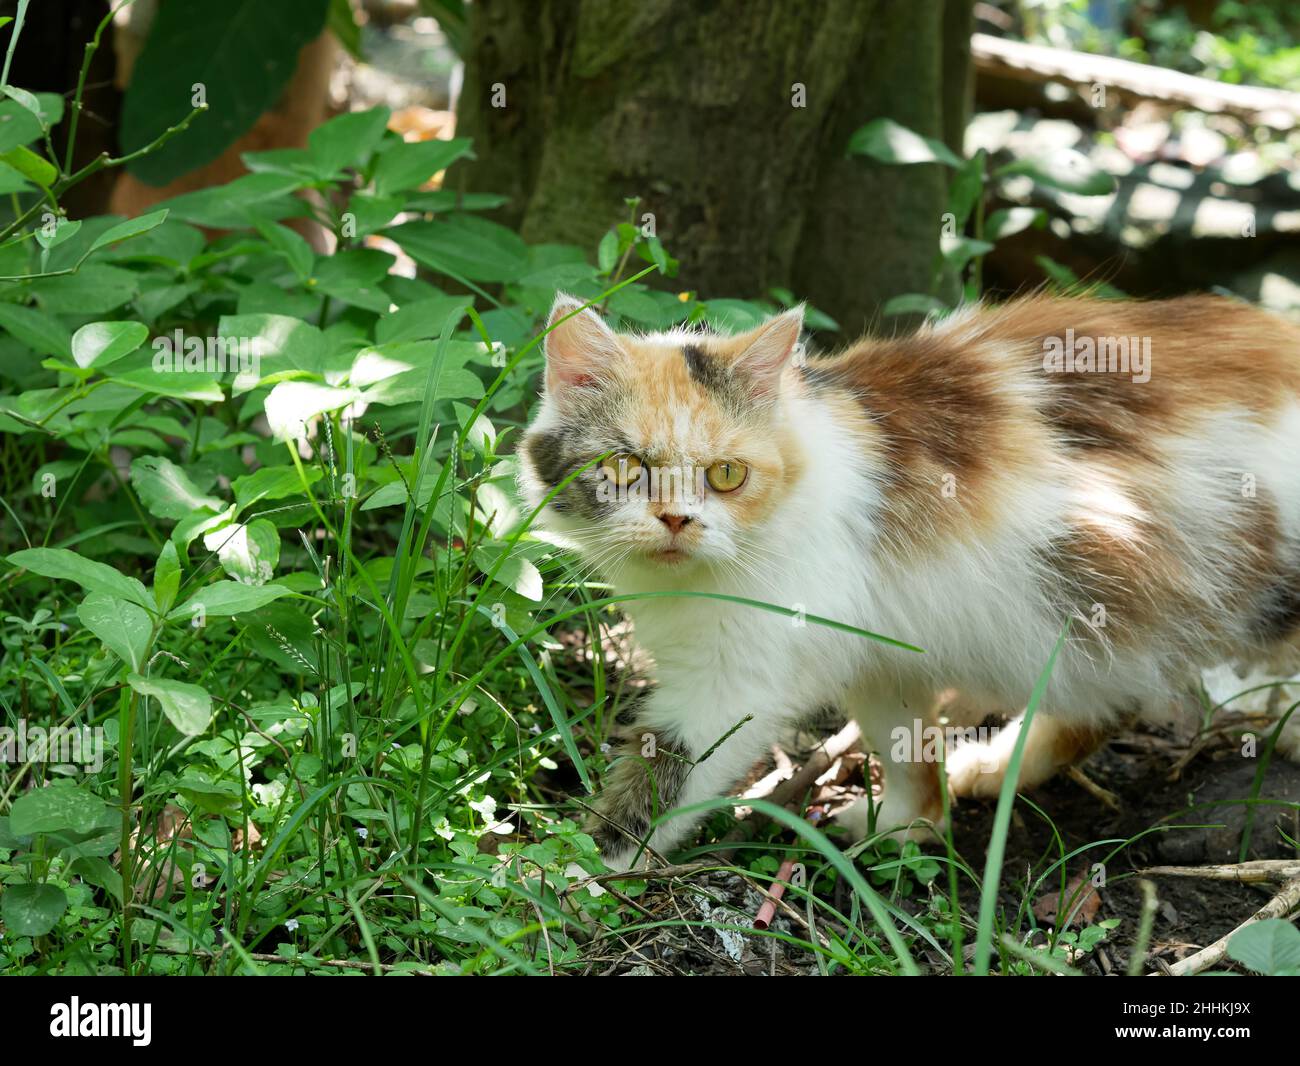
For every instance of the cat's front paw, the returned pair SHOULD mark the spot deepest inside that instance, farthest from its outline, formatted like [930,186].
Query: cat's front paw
[975,770]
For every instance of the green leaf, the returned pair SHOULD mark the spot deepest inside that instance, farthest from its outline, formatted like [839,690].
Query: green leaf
[290,245]
[166,577]
[343,24]
[166,490]
[1064,169]
[408,166]
[65,565]
[243,52]
[1268,947]
[32,909]
[30,165]
[101,343]
[292,404]
[1009,221]
[248,553]
[55,808]
[41,332]
[419,319]
[271,483]
[465,246]
[187,707]
[223,599]
[95,289]
[64,229]
[132,227]
[285,347]
[346,141]
[885,140]
[914,303]
[607,252]
[124,628]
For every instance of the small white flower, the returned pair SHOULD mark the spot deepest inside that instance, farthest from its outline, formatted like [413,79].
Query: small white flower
[292,925]
[606,748]
[363,832]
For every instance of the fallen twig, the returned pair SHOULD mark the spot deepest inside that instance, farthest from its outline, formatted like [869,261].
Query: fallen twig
[1254,872]
[1280,906]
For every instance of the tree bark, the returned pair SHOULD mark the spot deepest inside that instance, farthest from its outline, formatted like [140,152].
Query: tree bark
[730,120]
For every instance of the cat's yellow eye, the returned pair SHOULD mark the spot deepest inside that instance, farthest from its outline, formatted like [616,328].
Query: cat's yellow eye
[727,475]
[622,470]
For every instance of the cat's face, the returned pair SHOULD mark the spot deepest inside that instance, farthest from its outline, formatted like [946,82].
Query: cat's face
[700,455]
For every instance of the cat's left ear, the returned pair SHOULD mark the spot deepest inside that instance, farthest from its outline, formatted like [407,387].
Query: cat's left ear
[766,351]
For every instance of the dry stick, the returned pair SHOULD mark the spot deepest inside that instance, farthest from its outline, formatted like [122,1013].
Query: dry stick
[790,793]
[1102,795]
[1280,906]
[1254,872]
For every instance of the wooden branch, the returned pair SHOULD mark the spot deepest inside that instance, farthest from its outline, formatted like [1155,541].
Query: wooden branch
[1257,871]
[1280,906]
[997,57]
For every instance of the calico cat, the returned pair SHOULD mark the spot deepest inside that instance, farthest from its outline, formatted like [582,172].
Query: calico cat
[1132,467]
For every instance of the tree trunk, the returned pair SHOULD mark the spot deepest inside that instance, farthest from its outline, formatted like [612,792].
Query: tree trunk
[730,121]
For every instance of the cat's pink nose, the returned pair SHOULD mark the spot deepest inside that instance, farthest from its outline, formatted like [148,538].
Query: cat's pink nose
[674,521]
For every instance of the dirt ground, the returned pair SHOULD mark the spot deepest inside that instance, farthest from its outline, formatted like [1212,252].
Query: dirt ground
[1157,782]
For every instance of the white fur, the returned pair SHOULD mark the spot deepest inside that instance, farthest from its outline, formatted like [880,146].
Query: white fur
[977,608]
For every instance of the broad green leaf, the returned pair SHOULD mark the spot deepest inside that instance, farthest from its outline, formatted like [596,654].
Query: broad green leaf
[885,140]
[132,227]
[166,490]
[248,553]
[243,52]
[1268,947]
[346,140]
[55,808]
[65,565]
[188,707]
[465,246]
[419,319]
[124,628]
[222,599]
[40,331]
[295,250]
[292,404]
[408,166]
[271,483]
[283,347]
[95,289]
[32,909]
[101,343]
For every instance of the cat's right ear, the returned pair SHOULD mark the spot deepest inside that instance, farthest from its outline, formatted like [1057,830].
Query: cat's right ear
[579,349]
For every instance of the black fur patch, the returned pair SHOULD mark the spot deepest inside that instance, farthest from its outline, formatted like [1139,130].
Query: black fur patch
[1280,617]
[546,453]
[707,371]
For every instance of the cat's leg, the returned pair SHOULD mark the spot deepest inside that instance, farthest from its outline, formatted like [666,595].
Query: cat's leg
[673,754]
[976,768]
[898,726]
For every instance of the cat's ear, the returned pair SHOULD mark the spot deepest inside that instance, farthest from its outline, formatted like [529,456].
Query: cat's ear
[579,348]
[766,351]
